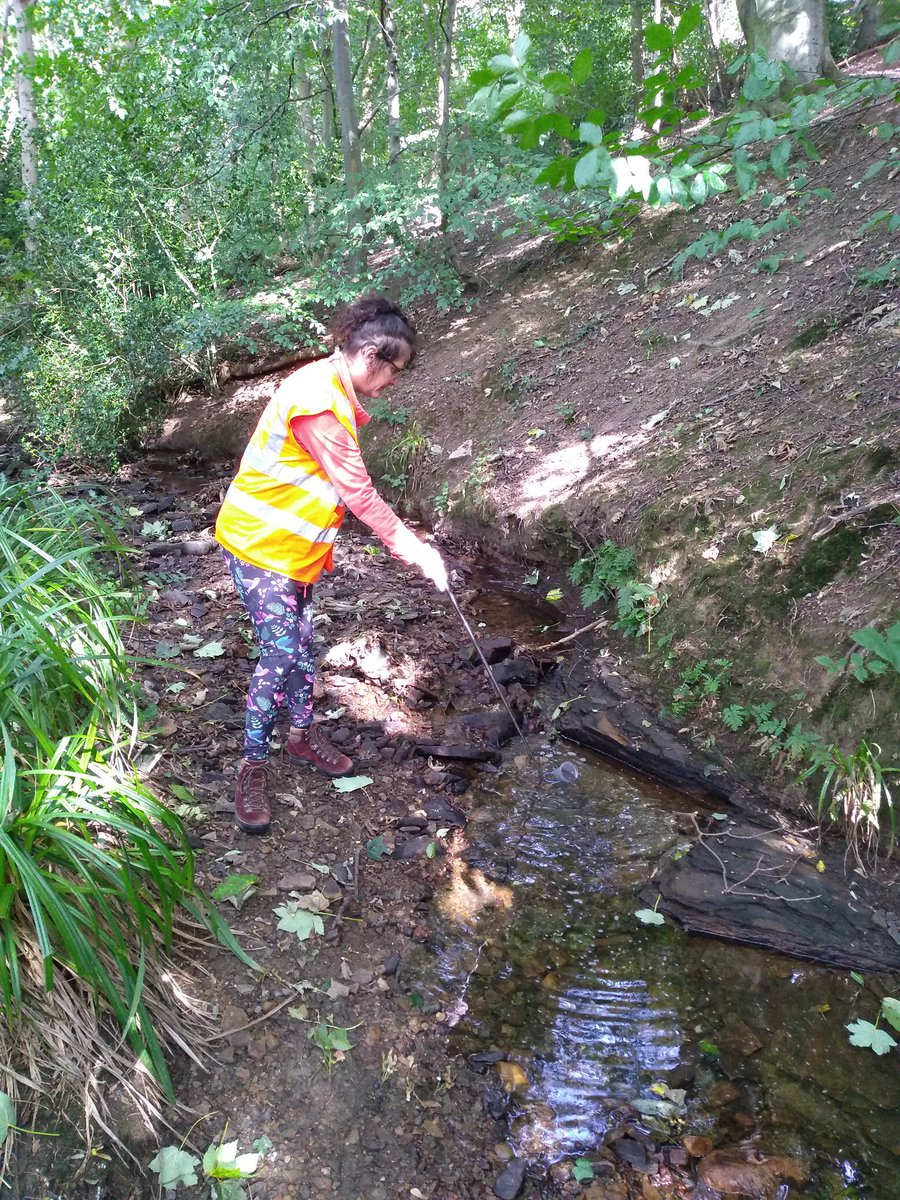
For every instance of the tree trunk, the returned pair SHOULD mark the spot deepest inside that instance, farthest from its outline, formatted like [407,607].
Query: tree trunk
[637,51]
[393,81]
[27,114]
[867,33]
[346,105]
[514,20]
[791,31]
[447,21]
[329,125]
[305,117]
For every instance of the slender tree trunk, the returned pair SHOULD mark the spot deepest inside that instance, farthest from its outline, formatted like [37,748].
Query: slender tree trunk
[346,104]
[305,117]
[393,81]
[791,31]
[447,21]
[329,125]
[637,54]
[27,115]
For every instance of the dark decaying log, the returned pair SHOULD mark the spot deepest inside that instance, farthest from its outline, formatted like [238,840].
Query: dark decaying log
[763,887]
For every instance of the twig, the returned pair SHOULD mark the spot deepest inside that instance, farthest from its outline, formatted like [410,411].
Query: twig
[851,514]
[824,253]
[578,632]
[256,1020]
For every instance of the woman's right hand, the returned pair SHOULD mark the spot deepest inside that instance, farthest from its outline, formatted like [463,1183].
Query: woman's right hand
[433,567]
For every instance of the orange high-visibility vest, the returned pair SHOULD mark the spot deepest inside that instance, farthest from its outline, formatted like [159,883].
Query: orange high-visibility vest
[282,512]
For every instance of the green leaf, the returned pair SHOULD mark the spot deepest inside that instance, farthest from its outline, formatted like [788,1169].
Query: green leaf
[699,189]
[778,159]
[166,650]
[500,64]
[351,783]
[649,916]
[262,1145]
[556,83]
[175,1167]
[690,20]
[582,66]
[210,650]
[864,1033]
[222,1161]
[590,133]
[709,1048]
[555,595]
[233,886]
[582,1170]
[857,978]
[890,1010]
[658,36]
[7,1115]
[304,924]
[376,848]
[885,645]
[892,53]
[521,47]
[765,539]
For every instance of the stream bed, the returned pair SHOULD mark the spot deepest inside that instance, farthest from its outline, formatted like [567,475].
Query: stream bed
[540,958]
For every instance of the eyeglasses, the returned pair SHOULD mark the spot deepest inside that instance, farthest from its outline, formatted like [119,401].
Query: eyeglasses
[395,367]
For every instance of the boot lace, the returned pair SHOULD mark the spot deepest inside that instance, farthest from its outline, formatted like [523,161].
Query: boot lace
[255,786]
[320,745]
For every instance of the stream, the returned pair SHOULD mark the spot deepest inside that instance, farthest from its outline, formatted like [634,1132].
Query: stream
[540,957]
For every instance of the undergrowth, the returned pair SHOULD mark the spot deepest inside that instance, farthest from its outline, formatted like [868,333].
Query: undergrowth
[96,874]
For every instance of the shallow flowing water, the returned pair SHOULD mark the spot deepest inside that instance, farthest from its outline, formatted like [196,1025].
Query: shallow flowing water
[544,960]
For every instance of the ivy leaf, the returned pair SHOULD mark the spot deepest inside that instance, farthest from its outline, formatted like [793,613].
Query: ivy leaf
[582,1171]
[166,650]
[376,848]
[765,539]
[351,783]
[293,919]
[236,889]
[649,916]
[210,650]
[890,1010]
[864,1033]
[175,1168]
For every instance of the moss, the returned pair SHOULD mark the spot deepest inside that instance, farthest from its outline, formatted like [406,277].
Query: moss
[823,560]
[881,456]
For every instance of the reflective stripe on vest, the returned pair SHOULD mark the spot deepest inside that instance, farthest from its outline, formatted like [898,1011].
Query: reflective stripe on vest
[282,512]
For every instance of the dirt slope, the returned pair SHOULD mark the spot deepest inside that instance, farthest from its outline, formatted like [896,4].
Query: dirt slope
[677,404]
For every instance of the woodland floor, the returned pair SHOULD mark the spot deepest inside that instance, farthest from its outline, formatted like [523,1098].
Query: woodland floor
[604,395]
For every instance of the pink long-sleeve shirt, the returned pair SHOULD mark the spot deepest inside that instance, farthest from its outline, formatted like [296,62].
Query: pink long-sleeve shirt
[333,448]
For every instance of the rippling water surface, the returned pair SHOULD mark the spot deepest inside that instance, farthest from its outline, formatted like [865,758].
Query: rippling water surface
[544,960]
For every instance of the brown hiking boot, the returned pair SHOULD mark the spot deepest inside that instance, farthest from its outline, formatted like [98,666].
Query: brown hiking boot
[312,746]
[253,797]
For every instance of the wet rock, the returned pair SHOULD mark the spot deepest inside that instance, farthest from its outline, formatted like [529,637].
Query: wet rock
[748,1173]
[437,809]
[462,753]
[511,1179]
[722,1093]
[391,965]
[414,847]
[738,1037]
[183,525]
[493,728]
[635,1154]
[297,881]
[697,1145]
[503,1152]
[486,1058]
[493,649]
[517,670]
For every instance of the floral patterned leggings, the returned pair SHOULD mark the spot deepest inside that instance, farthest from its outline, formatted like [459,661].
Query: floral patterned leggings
[282,614]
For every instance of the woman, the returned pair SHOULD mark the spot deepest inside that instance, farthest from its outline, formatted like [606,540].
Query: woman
[301,470]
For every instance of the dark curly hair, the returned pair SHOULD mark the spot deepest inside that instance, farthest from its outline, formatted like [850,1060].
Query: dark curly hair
[375,320]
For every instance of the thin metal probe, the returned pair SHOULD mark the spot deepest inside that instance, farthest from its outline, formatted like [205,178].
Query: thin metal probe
[496,686]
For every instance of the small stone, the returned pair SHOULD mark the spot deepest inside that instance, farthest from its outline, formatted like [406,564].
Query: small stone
[722,1093]
[433,1127]
[696,1145]
[297,881]
[510,1180]
[503,1152]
